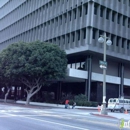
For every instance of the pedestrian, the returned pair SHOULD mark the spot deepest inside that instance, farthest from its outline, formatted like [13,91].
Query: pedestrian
[74,104]
[66,104]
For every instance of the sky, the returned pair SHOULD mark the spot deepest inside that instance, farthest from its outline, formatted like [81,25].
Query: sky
[2,2]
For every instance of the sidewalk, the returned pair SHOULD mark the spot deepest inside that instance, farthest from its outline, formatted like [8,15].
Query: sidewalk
[116,115]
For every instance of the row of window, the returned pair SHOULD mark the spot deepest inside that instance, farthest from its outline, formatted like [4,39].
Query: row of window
[115,39]
[39,34]
[53,8]
[75,36]
[36,18]
[125,1]
[112,15]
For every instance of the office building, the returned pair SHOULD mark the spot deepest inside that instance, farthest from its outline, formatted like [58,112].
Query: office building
[75,25]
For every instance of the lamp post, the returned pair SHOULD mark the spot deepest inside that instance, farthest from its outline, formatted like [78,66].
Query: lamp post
[103,64]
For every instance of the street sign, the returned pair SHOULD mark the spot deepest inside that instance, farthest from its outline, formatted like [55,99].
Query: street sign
[103,64]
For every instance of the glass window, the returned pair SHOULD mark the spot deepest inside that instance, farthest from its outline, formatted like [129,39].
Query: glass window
[84,33]
[95,9]
[107,14]
[101,11]
[113,16]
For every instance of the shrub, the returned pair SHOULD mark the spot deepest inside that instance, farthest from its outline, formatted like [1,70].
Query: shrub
[81,100]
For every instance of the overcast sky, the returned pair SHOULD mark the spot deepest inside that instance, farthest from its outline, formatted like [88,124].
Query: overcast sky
[2,2]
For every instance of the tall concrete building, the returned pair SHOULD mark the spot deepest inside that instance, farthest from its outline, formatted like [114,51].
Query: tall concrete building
[75,25]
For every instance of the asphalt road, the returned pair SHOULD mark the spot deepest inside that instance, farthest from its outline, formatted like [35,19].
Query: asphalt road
[23,118]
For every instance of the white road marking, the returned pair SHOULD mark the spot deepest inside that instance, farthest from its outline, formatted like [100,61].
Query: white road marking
[52,122]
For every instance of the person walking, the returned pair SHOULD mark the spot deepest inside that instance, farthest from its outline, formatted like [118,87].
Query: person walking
[74,104]
[66,104]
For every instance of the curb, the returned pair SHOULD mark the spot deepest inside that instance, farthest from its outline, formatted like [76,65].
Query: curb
[100,115]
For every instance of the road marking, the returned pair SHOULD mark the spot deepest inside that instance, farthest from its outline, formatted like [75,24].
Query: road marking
[51,122]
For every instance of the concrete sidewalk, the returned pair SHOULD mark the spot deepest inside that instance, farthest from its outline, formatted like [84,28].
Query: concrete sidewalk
[113,115]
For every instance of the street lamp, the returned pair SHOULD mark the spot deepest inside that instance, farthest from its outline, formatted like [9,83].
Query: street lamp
[103,64]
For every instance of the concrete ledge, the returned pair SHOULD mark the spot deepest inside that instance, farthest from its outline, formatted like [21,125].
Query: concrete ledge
[8,100]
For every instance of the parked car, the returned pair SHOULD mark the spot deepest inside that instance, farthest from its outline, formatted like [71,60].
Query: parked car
[118,104]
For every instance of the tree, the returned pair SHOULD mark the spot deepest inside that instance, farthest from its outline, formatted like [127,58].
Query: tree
[33,64]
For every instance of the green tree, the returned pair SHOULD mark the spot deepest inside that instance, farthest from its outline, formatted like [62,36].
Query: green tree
[33,64]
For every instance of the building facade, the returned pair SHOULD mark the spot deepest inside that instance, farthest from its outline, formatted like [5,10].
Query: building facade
[75,25]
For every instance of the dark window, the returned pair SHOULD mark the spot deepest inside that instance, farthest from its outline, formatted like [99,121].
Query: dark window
[129,23]
[95,9]
[117,41]
[73,36]
[63,39]
[107,14]
[123,42]
[60,19]
[75,14]
[101,32]
[65,17]
[70,15]
[68,38]
[94,33]
[80,11]
[118,18]
[113,16]
[124,20]
[86,8]
[101,11]
[128,44]
[112,38]
[84,33]
[78,35]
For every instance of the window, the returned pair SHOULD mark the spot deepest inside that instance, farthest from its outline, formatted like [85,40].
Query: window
[78,33]
[117,42]
[70,15]
[129,23]
[80,11]
[65,16]
[124,20]
[118,18]
[128,44]
[68,38]
[101,11]
[95,9]
[113,16]
[60,19]
[63,39]
[94,33]
[112,38]
[73,36]
[74,13]
[86,8]
[107,14]
[123,42]
[84,33]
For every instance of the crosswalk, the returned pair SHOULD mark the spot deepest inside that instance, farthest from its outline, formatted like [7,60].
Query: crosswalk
[41,113]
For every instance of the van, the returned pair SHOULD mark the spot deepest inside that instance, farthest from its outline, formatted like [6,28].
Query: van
[118,104]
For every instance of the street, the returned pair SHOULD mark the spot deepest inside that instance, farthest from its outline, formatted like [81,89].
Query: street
[22,118]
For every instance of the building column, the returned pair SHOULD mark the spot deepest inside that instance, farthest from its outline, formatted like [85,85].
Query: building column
[121,75]
[88,67]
